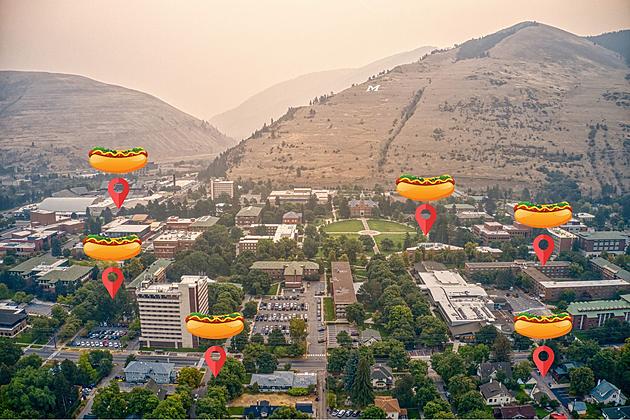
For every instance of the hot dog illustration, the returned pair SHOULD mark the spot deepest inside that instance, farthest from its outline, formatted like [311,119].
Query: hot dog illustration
[425,189]
[118,161]
[543,326]
[215,326]
[542,215]
[111,249]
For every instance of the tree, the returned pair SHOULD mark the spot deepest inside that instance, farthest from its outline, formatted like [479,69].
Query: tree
[448,364]
[522,370]
[310,247]
[486,334]
[276,338]
[433,331]
[373,412]
[355,313]
[475,354]
[267,363]
[403,391]
[55,247]
[288,413]
[344,339]
[250,309]
[212,408]
[387,244]
[109,403]
[469,401]
[398,357]
[297,330]
[190,376]
[231,377]
[434,408]
[337,359]
[361,393]
[170,408]
[141,402]
[502,349]
[582,380]
[461,384]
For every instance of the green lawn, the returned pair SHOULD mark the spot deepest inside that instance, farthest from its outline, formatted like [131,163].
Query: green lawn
[344,226]
[396,239]
[273,290]
[388,226]
[236,411]
[329,309]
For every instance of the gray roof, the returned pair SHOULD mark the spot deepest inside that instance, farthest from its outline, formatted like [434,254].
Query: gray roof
[205,221]
[72,273]
[382,373]
[369,203]
[607,265]
[492,389]
[144,368]
[369,333]
[150,271]
[67,204]
[617,413]
[603,390]
[251,211]
[28,265]
[603,234]
[291,214]
[11,316]
[284,379]
[488,368]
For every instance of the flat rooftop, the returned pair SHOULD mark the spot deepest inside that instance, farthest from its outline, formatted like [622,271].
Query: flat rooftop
[343,287]
[584,283]
[177,235]
[603,235]
[249,211]
[128,229]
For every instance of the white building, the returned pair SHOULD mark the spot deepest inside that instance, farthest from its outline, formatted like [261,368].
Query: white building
[219,187]
[465,307]
[163,308]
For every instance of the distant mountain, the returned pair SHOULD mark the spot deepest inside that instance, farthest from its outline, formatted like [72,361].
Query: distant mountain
[507,109]
[618,42]
[242,121]
[49,121]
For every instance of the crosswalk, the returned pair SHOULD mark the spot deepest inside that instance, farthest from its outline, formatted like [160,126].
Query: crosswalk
[316,355]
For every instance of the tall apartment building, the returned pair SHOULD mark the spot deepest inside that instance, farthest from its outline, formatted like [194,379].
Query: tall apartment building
[218,187]
[594,243]
[163,307]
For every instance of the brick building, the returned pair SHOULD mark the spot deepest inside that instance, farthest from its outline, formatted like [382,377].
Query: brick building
[362,208]
[593,314]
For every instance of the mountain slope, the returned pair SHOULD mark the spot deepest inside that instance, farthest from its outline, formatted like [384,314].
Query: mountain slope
[618,41]
[50,121]
[532,100]
[272,102]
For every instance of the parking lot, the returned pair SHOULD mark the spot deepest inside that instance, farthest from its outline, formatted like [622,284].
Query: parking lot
[277,312]
[102,337]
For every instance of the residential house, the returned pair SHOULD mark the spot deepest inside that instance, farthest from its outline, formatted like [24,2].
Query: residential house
[616,413]
[390,406]
[161,373]
[282,381]
[606,393]
[369,337]
[489,370]
[495,393]
[382,377]
[515,412]
[261,410]
[578,406]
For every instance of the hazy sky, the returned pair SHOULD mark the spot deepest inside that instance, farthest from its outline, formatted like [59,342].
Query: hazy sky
[206,56]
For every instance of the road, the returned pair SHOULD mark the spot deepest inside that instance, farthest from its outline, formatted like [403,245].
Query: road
[544,387]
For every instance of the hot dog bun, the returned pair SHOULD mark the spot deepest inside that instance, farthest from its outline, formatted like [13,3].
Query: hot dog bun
[543,215]
[118,161]
[425,189]
[111,249]
[543,327]
[214,327]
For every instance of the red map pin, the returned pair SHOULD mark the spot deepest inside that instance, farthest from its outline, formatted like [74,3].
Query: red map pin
[215,365]
[112,286]
[425,223]
[118,197]
[543,254]
[543,365]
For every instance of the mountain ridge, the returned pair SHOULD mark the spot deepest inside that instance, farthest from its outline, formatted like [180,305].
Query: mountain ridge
[540,95]
[272,102]
[50,121]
